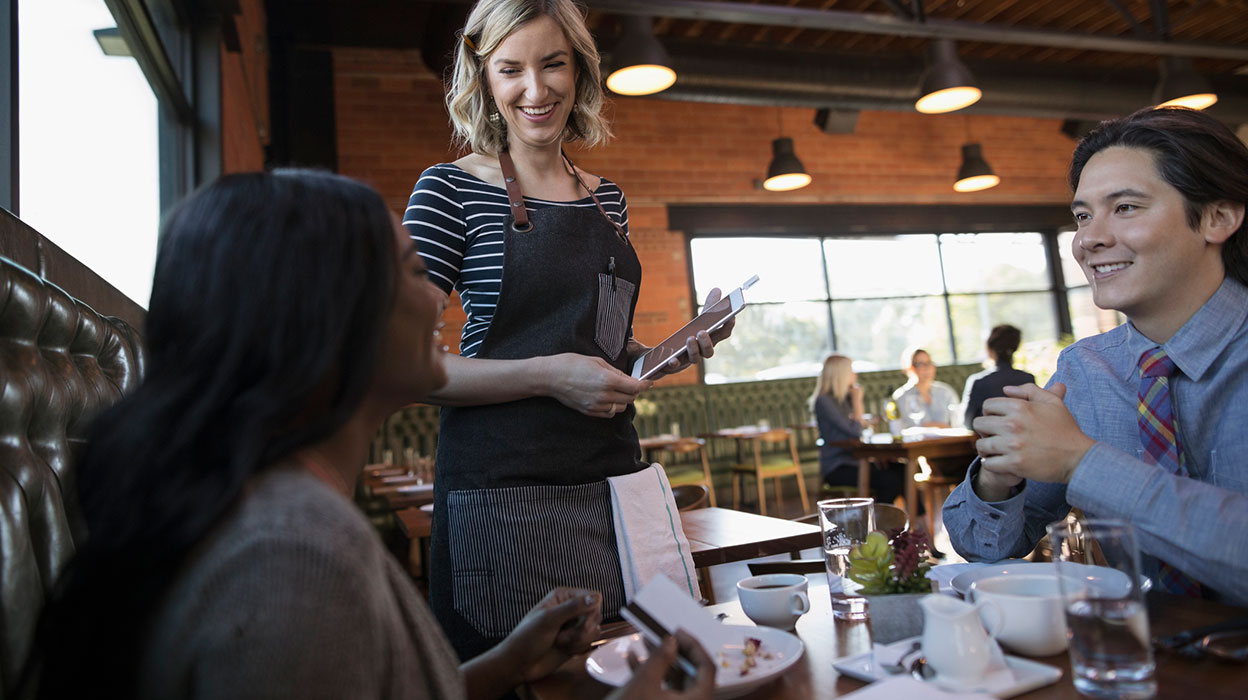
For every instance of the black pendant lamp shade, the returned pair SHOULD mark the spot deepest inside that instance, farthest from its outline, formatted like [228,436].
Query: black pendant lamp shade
[641,64]
[975,173]
[1182,86]
[947,84]
[786,172]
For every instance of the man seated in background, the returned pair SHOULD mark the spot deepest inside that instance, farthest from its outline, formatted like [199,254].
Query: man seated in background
[1146,422]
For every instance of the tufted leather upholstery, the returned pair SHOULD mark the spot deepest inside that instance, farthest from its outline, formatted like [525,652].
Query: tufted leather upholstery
[60,364]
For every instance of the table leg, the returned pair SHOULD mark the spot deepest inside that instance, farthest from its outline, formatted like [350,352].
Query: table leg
[864,477]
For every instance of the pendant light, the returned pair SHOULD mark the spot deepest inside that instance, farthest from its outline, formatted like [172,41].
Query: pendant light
[975,174]
[785,172]
[642,65]
[947,84]
[1182,86]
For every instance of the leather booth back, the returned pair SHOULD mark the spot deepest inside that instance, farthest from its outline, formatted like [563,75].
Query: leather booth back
[61,363]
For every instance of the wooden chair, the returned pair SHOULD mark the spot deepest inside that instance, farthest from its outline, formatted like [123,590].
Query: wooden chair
[690,496]
[681,476]
[773,468]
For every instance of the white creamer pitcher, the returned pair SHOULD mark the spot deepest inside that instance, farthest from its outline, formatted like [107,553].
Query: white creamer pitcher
[955,642]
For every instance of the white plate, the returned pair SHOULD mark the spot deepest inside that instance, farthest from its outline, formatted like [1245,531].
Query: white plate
[1023,675]
[1112,580]
[609,662]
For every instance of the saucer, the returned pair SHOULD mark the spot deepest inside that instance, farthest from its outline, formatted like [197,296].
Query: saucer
[609,662]
[1113,582]
[1019,675]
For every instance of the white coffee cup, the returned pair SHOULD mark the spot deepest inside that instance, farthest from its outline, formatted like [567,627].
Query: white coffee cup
[1030,605]
[774,600]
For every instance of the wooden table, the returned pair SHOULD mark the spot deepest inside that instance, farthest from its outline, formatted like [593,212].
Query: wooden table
[828,639]
[722,535]
[908,452]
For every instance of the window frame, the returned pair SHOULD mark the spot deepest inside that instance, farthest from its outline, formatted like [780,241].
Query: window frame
[824,222]
[186,82]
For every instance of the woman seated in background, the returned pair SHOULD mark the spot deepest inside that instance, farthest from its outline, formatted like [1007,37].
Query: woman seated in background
[290,315]
[922,400]
[837,405]
[991,383]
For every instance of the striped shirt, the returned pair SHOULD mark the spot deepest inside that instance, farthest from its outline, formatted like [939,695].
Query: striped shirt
[457,220]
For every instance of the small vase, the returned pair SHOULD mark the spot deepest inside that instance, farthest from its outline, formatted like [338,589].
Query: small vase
[895,617]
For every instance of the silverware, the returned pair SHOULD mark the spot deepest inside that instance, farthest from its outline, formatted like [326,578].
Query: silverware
[921,671]
[1180,640]
[901,666]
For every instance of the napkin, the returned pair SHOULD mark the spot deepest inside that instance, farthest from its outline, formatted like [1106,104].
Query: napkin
[648,532]
[906,687]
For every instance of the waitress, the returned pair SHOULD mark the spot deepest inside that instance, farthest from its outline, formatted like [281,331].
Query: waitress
[538,407]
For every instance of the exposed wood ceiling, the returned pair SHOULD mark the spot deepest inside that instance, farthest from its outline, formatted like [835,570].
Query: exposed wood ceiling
[1084,49]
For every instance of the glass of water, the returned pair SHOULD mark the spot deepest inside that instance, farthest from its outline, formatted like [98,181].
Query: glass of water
[1098,566]
[845,523]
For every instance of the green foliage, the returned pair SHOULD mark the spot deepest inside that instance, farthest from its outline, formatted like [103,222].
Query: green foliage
[882,566]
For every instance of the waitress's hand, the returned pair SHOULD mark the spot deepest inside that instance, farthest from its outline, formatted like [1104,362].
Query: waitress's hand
[591,386]
[562,625]
[702,345]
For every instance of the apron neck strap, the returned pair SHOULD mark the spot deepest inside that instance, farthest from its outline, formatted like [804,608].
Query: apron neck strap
[515,196]
[520,215]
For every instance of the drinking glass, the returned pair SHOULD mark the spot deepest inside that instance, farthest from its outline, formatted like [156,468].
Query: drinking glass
[845,523]
[914,409]
[1098,566]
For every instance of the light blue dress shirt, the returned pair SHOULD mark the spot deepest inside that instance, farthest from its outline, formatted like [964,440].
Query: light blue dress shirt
[1197,524]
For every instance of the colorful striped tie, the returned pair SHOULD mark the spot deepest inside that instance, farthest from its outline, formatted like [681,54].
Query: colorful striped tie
[1159,433]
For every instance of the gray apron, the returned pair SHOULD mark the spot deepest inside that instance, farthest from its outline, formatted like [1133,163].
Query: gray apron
[521,504]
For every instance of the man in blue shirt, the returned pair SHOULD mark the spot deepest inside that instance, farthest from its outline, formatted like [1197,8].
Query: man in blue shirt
[1159,200]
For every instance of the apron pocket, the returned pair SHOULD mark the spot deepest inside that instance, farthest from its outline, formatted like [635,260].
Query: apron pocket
[509,547]
[615,300]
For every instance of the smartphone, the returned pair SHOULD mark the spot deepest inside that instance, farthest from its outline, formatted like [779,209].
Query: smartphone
[711,318]
[653,632]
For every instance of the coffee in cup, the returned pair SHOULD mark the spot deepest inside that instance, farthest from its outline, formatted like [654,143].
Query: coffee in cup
[1030,607]
[774,600]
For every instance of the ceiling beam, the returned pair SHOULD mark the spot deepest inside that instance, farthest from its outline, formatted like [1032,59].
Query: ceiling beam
[1137,28]
[875,23]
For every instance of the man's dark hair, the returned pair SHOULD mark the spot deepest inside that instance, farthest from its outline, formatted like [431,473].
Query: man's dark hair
[1195,154]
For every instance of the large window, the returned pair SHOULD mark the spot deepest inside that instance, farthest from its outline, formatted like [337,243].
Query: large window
[873,298]
[89,164]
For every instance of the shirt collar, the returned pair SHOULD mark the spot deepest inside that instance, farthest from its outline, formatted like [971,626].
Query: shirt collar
[1205,335]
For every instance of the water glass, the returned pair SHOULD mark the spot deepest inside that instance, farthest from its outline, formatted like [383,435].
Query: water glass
[1098,566]
[845,523]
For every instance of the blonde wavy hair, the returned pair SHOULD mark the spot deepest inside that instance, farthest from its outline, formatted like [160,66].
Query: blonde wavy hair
[468,96]
[835,379]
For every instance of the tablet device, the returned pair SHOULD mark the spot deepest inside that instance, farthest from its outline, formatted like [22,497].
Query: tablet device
[711,318]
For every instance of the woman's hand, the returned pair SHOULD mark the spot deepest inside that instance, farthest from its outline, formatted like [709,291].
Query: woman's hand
[562,625]
[590,385]
[648,678]
[701,345]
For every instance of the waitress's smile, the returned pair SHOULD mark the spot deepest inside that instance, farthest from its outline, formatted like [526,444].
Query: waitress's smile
[532,79]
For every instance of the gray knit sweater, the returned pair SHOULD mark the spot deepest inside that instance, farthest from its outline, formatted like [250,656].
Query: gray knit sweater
[293,595]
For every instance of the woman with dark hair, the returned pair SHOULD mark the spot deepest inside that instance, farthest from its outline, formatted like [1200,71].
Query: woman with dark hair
[290,315]
[1003,341]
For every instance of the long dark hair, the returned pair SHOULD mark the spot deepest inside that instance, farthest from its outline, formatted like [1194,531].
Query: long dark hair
[268,308]
[1195,154]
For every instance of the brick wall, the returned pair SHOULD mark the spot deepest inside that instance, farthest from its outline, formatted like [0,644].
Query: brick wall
[392,124]
[245,93]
